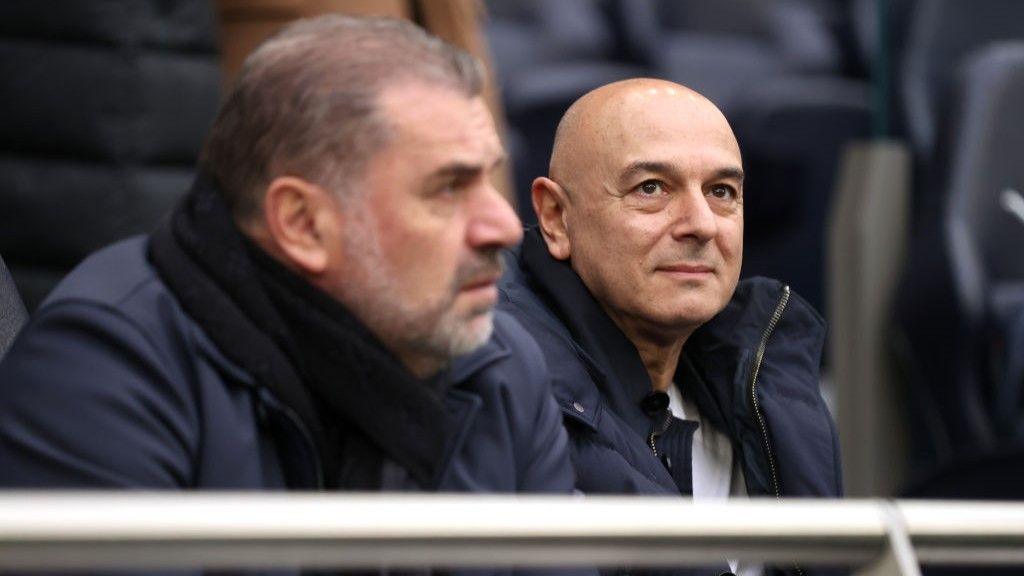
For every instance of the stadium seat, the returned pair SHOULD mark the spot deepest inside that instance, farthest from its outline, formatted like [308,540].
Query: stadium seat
[723,48]
[536,102]
[792,131]
[105,107]
[992,476]
[940,34]
[965,279]
[12,311]
[533,32]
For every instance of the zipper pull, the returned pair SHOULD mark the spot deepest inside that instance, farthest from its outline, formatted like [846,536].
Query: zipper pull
[658,430]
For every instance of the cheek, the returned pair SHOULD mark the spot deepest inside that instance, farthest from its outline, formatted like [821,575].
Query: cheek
[620,260]
[621,240]
[424,254]
[730,239]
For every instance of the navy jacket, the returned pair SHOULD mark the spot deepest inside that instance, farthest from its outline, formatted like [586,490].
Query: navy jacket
[112,385]
[752,370]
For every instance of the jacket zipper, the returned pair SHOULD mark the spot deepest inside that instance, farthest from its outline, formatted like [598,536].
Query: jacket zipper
[758,359]
[653,436]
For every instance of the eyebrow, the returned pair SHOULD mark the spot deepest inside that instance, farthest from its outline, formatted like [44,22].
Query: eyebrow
[464,170]
[729,173]
[651,166]
[645,166]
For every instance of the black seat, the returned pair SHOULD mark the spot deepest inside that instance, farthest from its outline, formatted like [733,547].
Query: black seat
[791,133]
[536,102]
[530,33]
[12,311]
[941,33]
[105,107]
[723,48]
[548,54]
[993,476]
[985,217]
[965,282]
[939,339]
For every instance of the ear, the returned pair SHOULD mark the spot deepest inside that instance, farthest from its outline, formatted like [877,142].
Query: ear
[549,203]
[300,219]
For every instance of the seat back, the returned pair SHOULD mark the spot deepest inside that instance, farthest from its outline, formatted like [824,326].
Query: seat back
[12,311]
[941,34]
[995,476]
[985,211]
[106,105]
[984,221]
[965,282]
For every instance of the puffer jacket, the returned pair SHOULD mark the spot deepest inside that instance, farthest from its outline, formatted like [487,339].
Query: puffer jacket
[752,371]
[112,385]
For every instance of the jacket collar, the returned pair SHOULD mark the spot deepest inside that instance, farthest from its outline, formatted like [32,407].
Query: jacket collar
[715,361]
[716,368]
[612,359]
[465,367]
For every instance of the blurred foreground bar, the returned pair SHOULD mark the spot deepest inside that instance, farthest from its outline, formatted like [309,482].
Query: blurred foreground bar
[90,530]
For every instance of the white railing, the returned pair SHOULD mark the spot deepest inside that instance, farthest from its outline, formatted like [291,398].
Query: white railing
[48,530]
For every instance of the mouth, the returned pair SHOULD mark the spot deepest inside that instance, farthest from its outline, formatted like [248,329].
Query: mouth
[483,287]
[686,270]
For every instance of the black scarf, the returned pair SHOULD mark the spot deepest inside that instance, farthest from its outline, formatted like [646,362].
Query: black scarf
[357,400]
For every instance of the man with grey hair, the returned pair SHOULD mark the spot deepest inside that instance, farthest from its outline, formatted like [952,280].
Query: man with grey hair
[318,311]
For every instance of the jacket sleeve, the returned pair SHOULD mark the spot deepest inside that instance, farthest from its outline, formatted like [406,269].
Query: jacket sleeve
[544,464]
[548,467]
[88,401]
[542,453]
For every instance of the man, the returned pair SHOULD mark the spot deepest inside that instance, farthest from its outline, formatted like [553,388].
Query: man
[305,318]
[673,378]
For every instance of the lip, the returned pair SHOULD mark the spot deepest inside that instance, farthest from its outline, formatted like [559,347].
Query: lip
[686,269]
[481,283]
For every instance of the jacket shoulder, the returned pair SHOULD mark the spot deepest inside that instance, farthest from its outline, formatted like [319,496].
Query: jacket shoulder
[769,333]
[88,395]
[104,386]
[108,276]
[510,355]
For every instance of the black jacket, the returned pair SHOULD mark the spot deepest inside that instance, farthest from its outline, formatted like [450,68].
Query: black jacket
[752,370]
[112,385]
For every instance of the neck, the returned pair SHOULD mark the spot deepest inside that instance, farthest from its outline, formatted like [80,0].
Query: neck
[660,360]
[658,351]
[422,367]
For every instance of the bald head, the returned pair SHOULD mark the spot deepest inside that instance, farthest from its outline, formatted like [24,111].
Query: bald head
[644,200]
[596,126]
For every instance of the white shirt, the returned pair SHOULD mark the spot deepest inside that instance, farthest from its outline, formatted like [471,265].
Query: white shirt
[716,476]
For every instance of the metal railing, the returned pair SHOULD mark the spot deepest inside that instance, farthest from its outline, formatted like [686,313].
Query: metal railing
[92,530]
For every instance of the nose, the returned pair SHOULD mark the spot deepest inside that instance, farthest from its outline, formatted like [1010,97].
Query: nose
[693,217]
[492,222]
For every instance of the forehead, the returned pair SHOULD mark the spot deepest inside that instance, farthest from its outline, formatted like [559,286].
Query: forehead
[428,120]
[665,125]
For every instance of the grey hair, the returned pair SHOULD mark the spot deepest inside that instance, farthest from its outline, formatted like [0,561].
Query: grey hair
[306,102]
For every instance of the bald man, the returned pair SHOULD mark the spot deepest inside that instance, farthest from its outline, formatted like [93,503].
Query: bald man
[673,377]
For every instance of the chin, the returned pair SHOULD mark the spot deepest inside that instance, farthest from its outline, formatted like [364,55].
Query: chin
[691,314]
[470,334]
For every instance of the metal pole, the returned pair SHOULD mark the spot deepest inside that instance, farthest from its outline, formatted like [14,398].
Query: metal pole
[220,530]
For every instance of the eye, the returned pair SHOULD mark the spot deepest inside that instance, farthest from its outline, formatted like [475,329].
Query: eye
[453,186]
[651,188]
[723,192]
